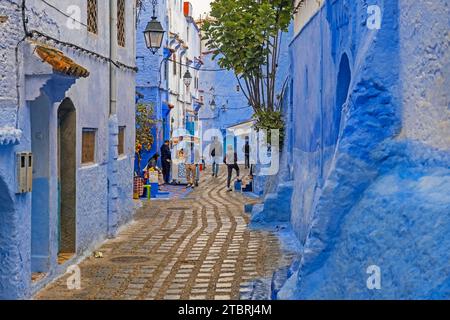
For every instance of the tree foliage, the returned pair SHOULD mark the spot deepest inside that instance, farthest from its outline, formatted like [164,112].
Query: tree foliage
[145,122]
[270,119]
[246,35]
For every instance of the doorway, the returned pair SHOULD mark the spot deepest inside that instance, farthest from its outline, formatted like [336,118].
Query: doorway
[40,204]
[342,87]
[67,148]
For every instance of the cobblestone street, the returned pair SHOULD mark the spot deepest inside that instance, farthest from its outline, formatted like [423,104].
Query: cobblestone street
[193,248]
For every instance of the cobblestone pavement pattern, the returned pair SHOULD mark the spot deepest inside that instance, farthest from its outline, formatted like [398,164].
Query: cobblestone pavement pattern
[194,248]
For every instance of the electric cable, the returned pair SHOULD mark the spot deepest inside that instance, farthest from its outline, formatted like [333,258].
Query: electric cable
[64,13]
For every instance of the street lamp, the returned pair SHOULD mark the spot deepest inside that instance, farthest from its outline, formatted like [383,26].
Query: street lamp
[187,78]
[213,104]
[154,32]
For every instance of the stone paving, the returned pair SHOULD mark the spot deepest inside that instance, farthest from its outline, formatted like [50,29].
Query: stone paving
[194,248]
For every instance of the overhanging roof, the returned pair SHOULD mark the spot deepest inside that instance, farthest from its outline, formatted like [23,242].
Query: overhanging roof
[60,62]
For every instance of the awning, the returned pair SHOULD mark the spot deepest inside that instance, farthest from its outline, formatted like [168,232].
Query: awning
[60,62]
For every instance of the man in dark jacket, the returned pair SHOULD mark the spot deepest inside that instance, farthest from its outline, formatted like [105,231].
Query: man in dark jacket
[231,160]
[247,153]
[166,159]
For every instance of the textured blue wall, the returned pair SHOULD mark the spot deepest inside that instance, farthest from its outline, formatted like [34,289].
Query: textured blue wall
[379,196]
[150,80]
[29,222]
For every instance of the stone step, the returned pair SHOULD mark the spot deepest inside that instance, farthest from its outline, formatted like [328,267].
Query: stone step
[276,206]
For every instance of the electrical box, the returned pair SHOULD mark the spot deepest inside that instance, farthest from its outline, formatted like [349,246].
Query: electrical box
[24,168]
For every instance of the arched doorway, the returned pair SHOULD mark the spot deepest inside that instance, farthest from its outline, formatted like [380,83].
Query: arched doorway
[67,149]
[343,84]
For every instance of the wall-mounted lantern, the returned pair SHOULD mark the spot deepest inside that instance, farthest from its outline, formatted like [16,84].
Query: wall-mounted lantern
[213,104]
[187,78]
[154,32]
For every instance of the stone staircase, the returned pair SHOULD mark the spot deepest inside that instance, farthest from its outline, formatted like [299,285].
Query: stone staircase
[276,207]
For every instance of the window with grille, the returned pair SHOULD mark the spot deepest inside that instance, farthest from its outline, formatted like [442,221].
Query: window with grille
[166,70]
[92,16]
[174,64]
[121,23]
[121,147]
[88,146]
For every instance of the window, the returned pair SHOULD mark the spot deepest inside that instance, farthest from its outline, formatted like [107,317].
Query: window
[88,146]
[166,70]
[174,64]
[121,147]
[121,22]
[92,16]
[181,67]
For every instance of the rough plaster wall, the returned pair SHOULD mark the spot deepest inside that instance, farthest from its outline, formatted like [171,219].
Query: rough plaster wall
[125,164]
[15,251]
[425,72]
[384,198]
[91,206]
[10,35]
[91,99]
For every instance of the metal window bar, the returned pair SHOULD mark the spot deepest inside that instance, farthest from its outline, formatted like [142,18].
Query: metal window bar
[121,23]
[92,16]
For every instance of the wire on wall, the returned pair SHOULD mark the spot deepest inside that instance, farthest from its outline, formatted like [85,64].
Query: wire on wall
[35,33]
[38,34]
[64,14]
[199,69]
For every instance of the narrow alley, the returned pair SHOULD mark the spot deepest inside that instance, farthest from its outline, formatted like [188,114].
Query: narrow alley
[258,151]
[198,247]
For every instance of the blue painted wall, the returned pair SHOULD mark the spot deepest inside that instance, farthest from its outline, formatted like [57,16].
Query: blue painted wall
[225,94]
[371,178]
[150,82]
[28,122]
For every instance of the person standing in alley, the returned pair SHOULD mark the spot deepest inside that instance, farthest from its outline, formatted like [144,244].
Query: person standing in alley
[166,161]
[191,169]
[216,155]
[231,160]
[247,153]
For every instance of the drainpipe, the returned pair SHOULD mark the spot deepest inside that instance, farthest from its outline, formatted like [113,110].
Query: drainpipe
[113,56]
[113,125]
[322,113]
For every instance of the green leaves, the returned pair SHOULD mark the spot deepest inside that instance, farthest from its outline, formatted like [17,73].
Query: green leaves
[145,121]
[241,30]
[269,120]
[246,35]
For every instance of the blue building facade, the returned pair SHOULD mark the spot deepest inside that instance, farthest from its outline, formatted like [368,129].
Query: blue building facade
[224,104]
[370,151]
[78,129]
[159,82]
[151,84]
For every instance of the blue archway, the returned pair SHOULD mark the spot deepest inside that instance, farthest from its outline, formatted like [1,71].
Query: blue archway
[342,87]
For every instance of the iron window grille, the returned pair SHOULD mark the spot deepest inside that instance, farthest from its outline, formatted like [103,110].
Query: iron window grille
[121,23]
[92,16]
